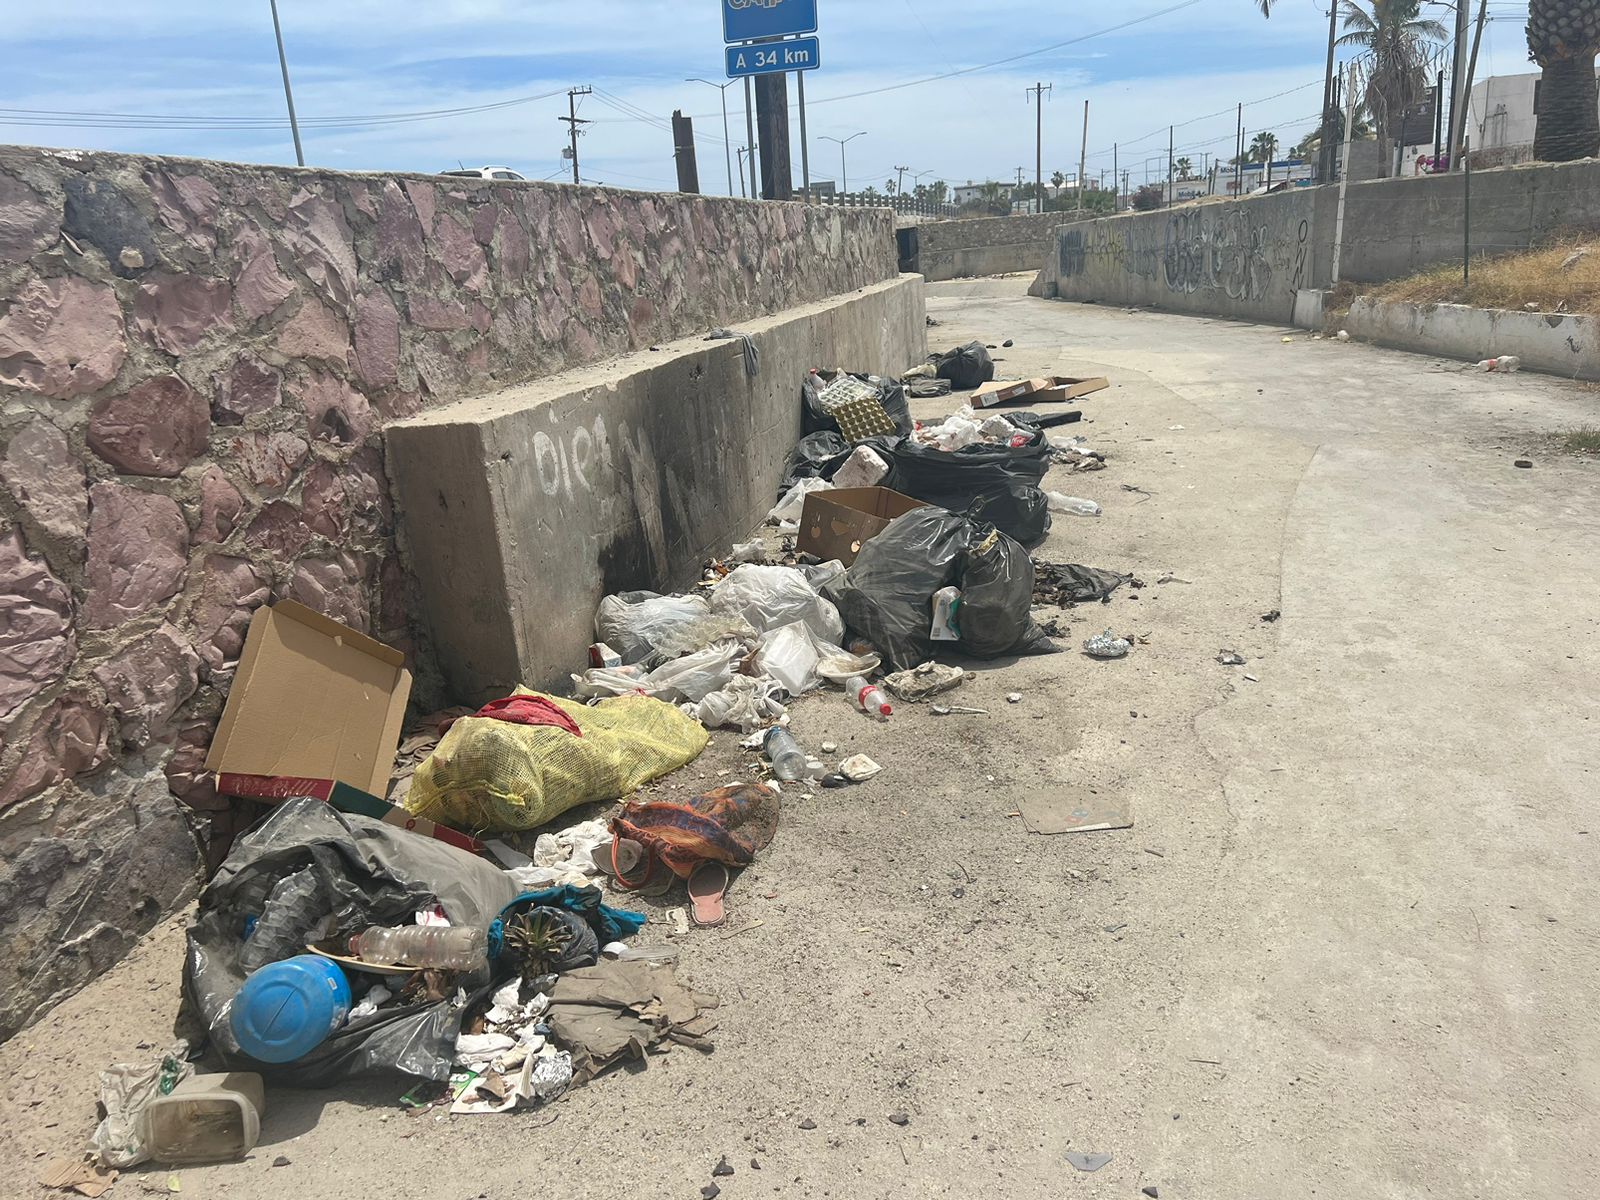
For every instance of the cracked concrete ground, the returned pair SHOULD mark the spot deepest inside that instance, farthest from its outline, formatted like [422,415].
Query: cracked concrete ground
[1347,949]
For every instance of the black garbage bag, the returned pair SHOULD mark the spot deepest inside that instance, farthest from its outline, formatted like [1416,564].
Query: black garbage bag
[370,873]
[814,418]
[986,481]
[814,457]
[966,367]
[887,594]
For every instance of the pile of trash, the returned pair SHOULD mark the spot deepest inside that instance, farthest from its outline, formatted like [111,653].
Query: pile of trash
[439,922]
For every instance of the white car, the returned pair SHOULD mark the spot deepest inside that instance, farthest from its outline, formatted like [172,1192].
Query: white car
[486,173]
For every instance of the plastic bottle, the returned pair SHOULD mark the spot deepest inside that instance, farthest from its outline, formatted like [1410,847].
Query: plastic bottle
[450,947]
[1062,503]
[867,696]
[293,909]
[788,760]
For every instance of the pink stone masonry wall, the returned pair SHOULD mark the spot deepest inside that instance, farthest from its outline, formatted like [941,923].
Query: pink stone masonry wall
[196,359]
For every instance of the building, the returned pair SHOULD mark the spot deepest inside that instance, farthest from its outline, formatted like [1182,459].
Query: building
[1502,118]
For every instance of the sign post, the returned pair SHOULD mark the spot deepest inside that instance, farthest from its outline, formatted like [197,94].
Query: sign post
[767,38]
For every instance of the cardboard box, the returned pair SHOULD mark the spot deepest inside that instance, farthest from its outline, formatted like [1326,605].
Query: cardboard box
[275,788]
[312,699]
[1050,389]
[835,523]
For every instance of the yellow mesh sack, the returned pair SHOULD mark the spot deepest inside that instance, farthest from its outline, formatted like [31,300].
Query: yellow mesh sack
[489,776]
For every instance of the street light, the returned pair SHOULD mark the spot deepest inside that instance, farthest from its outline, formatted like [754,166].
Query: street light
[844,179]
[727,143]
[283,62]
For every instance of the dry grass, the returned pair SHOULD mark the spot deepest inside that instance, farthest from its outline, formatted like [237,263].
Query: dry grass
[1513,281]
[1580,441]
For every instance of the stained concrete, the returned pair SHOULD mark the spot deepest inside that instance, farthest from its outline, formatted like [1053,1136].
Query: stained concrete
[984,245]
[520,510]
[1562,343]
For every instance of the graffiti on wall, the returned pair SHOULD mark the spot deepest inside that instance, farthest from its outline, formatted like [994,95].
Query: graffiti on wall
[1226,253]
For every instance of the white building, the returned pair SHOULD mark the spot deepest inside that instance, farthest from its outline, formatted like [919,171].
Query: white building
[1501,119]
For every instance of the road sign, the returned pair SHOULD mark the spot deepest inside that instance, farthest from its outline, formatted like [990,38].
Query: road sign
[746,20]
[770,58]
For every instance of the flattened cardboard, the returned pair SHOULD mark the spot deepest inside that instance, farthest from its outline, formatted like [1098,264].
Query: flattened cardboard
[836,523]
[312,699]
[1051,389]
[342,796]
[1055,812]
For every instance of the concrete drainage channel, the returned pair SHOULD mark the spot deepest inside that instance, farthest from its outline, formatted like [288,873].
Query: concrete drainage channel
[417,900]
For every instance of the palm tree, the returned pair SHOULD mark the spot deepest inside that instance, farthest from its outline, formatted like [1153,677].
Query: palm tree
[1311,144]
[1058,181]
[1263,148]
[1185,168]
[1397,43]
[1563,38]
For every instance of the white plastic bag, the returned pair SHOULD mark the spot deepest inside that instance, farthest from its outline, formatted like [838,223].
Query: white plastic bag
[609,681]
[770,597]
[631,623]
[126,1090]
[744,704]
[958,429]
[695,676]
[790,656]
[997,429]
[864,468]
[786,513]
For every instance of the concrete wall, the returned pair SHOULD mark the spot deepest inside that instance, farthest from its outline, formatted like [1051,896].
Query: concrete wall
[1240,258]
[1561,343]
[985,246]
[521,510]
[1246,258]
[196,359]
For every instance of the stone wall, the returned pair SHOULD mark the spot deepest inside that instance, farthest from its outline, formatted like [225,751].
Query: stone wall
[984,246]
[196,359]
[1240,258]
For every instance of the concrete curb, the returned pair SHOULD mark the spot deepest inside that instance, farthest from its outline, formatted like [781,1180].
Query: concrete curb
[1566,344]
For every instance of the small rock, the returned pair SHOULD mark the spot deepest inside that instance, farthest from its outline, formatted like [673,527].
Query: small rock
[1014,698]
[1152,1191]
[829,747]
[1343,335]
[1007,344]
[710,1192]
[722,1170]
[808,1123]
[755,1164]
[899,1118]
[1530,306]
[958,893]
[1270,617]
[280,1161]
[834,781]
[1230,658]
[1524,463]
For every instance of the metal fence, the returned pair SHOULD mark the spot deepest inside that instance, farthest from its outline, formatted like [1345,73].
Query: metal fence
[906,206]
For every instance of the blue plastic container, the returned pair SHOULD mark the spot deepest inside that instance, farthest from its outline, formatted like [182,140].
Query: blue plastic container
[287,1009]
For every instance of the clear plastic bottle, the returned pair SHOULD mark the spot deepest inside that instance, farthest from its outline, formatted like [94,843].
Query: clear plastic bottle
[867,696]
[1062,503]
[450,947]
[788,760]
[293,908]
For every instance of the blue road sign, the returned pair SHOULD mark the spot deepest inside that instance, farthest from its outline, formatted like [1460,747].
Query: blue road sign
[746,20]
[770,58]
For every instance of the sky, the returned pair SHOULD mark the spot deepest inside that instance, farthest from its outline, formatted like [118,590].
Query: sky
[201,78]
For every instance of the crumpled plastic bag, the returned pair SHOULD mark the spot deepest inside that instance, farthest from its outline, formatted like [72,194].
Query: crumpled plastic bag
[789,655]
[744,704]
[126,1090]
[633,623]
[788,511]
[770,597]
[959,429]
[692,677]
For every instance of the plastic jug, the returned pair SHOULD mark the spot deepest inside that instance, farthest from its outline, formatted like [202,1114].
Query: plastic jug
[206,1118]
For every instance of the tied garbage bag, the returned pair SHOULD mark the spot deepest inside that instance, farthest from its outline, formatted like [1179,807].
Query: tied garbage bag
[493,777]
[769,597]
[632,623]
[371,873]
[966,367]
[998,484]
[886,596]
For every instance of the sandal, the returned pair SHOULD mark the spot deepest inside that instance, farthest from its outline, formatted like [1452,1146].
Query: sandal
[707,887]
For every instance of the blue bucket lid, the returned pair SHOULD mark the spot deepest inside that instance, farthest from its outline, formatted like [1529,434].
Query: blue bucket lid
[287,1009]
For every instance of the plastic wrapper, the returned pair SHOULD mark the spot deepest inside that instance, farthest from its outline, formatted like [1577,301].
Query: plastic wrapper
[966,367]
[886,596]
[707,631]
[769,597]
[743,705]
[787,511]
[373,874]
[632,623]
[691,677]
[790,656]
[126,1090]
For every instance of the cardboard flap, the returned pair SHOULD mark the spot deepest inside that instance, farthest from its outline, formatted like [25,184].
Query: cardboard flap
[312,698]
[835,522]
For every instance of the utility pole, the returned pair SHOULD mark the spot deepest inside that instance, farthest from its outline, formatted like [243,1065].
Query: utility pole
[1472,67]
[805,147]
[900,184]
[1458,98]
[727,142]
[683,152]
[1083,155]
[1238,157]
[1116,179]
[283,62]
[573,121]
[742,152]
[772,122]
[1170,188]
[844,178]
[1038,92]
[750,139]
[1325,155]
